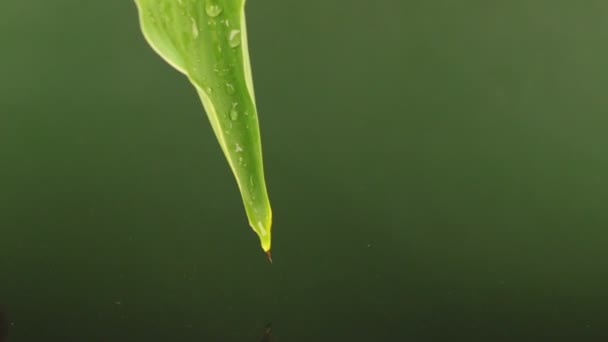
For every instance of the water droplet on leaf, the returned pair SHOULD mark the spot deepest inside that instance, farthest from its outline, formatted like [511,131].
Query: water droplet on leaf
[194,28]
[234,113]
[234,38]
[230,89]
[212,9]
[221,68]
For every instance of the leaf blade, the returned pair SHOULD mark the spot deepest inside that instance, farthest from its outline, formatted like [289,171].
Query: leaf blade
[210,48]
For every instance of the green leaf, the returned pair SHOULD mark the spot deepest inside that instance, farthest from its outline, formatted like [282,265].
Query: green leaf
[206,40]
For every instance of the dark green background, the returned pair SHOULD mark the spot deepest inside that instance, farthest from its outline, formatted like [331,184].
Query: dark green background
[437,170]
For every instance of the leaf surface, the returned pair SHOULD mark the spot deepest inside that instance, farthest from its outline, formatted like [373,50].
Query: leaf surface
[206,40]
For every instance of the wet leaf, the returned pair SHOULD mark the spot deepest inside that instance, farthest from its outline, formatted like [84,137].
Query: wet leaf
[206,40]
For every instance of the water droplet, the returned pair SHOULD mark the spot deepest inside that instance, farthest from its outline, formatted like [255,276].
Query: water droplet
[221,69]
[234,38]
[212,9]
[230,88]
[234,113]
[194,28]
[238,148]
[209,90]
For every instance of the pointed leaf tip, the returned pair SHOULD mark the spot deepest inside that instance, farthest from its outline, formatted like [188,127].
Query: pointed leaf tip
[269,255]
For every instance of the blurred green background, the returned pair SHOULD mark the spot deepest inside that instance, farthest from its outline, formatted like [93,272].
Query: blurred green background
[437,171]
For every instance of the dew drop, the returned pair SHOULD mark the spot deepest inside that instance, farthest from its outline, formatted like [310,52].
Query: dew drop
[238,148]
[212,9]
[234,38]
[194,28]
[234,113]
[221,69]
[230,89]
